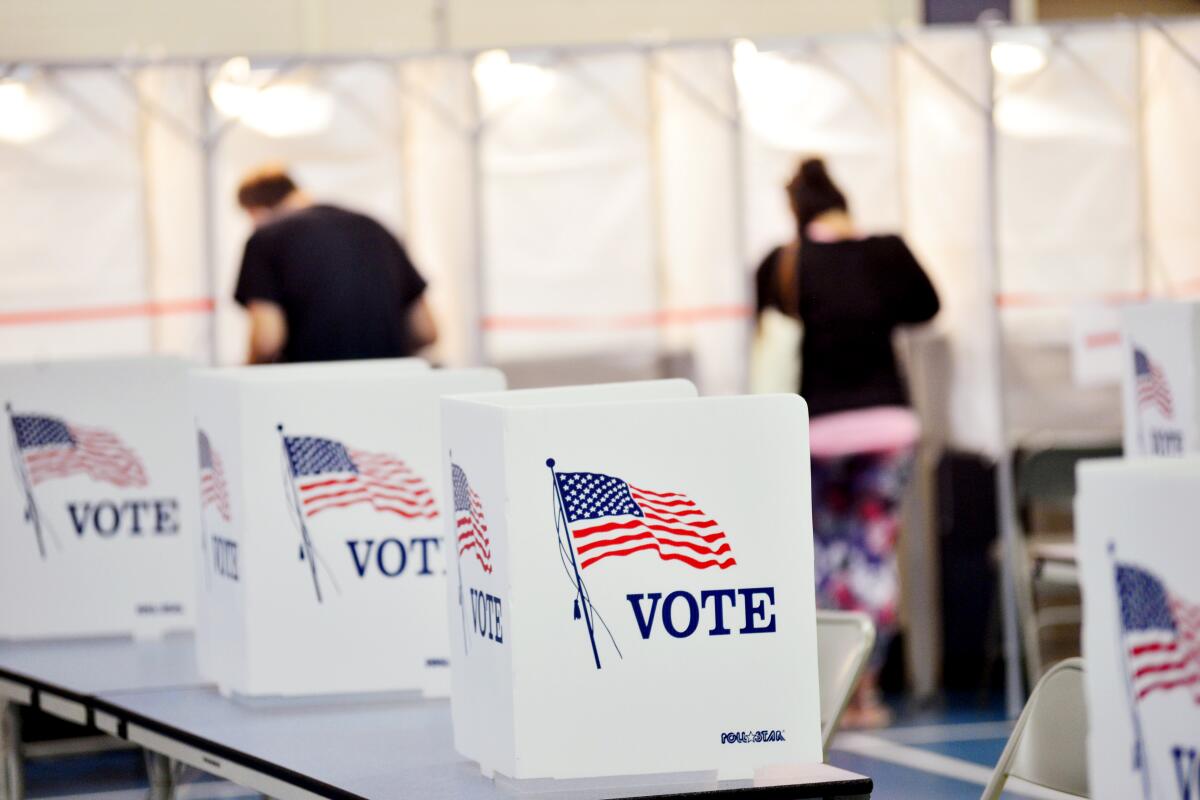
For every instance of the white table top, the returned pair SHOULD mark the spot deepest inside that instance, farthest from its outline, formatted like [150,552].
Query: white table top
[352,748]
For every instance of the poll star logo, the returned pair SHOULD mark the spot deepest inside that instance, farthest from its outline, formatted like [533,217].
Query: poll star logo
[45,448]
[598,518]
[324,474]
[1160,654]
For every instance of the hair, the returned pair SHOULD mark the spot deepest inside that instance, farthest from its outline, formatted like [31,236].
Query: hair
[265,187]
[812,193]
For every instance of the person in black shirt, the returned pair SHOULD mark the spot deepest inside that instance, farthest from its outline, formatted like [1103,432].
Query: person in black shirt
[851,292]
[322,283]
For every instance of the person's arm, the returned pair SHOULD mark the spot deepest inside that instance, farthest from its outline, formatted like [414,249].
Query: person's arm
[421,324]
[410,288]
[258,290]
[268,332]
[915,300]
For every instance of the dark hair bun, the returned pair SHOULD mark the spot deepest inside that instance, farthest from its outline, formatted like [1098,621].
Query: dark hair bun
[814,174]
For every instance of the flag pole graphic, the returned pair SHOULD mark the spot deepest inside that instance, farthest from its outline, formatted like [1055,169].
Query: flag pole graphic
[462,612]
[32,514]
[306,549]
[581,598]
[203,527]
[1139,746]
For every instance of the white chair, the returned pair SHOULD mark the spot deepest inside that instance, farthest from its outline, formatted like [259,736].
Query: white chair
[1048,747]
[844,642]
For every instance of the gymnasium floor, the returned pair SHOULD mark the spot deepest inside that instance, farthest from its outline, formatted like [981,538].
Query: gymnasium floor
[941,754]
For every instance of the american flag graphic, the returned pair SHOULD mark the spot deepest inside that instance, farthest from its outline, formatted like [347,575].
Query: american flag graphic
[1161,635]
[1153,391]
[328,474]
[54,448]
[609,517]
[469,520]
[213,489]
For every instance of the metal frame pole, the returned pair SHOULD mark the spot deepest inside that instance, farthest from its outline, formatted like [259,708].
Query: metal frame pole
[208,146]
[478,340]
[1006,515]
[1141,87]
[658,253]
[741,233]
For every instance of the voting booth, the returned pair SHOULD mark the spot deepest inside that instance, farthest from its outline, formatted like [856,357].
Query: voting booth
[1138,550]
[97,499]
[1159,385]
[322,563]
[633,586]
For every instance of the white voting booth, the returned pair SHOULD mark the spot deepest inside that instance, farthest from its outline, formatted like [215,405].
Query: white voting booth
[97,499]
[630,546]
[323,566]
[1159,382]
[1138,549]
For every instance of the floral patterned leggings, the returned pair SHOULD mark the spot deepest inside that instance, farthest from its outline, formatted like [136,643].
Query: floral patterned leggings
[856,522]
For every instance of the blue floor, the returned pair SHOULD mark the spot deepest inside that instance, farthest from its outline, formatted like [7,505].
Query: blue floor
[937,752]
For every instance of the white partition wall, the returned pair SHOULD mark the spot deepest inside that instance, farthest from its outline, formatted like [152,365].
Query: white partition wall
[74,222]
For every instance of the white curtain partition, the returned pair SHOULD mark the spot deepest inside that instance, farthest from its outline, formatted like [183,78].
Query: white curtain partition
[571,204]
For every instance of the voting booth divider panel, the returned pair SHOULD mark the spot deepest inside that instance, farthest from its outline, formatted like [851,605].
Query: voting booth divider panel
[1138,552]
[1159,384]
[97,499]
[327,577]
[630,546]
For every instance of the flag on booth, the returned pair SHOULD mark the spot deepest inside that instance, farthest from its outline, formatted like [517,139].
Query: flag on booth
[213,489]
[54,448]
[469,520]
[1161,635]
[1153,391]
[610,518]
[328,474]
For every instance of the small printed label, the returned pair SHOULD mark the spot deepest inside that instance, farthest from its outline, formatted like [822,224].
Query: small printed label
[751,737]
[151,610]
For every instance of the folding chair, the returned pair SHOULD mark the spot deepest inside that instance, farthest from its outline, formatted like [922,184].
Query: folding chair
[1048,747]
[844,642]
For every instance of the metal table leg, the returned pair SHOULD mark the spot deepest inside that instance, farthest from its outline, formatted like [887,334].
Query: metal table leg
[161,772]
[12,772]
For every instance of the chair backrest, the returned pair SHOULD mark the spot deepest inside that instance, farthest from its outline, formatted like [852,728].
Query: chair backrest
[1049,744]
[844,642]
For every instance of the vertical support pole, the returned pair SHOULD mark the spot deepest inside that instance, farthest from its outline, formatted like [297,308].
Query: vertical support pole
[161,775]
[208,146]
[919,581]
[12,775]
[1145,242]
[478,342]
[737,155]
[1005,490]
[145,197]
[657,244]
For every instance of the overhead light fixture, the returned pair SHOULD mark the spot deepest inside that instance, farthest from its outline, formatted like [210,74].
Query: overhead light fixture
[744,49]
[1014,58]
[24,116]
[287,108]
[502,81]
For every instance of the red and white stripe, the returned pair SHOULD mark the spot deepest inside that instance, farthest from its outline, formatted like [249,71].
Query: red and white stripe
[96,453]
[673,526]
[1159,661]
[213,489]
[1153,390]
[472,533]
[382,480]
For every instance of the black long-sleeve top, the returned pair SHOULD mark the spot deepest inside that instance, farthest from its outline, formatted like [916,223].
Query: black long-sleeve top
[853,295]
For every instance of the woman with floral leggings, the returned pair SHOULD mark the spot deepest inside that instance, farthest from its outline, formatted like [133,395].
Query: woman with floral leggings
[851,292]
